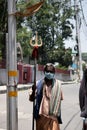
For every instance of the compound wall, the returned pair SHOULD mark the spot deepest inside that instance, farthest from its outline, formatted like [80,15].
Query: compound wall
[26,74]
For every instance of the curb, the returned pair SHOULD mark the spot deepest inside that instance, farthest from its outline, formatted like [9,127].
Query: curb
[22,87]
[71,82]
[3,88]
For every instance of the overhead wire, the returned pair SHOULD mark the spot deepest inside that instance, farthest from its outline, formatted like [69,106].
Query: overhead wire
[84,19]
[82,12]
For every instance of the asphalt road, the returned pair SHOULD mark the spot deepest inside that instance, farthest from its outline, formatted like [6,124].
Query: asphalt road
[70,110]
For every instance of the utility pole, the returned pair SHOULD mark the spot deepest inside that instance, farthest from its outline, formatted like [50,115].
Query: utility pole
[79,60]
[12,110]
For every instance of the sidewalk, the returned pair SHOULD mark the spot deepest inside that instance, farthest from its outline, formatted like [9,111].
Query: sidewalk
[3,88]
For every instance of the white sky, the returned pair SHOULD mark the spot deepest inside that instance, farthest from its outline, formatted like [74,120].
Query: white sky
[83,31]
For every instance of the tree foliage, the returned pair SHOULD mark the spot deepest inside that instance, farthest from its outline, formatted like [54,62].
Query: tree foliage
[3,28]
[52,22]
[23,36]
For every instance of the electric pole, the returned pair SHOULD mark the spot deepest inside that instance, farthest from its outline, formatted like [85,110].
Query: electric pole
[12,110]
[79,60]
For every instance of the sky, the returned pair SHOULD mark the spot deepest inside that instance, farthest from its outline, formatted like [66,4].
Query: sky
[83,31]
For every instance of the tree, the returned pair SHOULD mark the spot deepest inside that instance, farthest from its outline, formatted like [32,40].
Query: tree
[3,16]
[3,28]
[52,22]
[53,25]
[23,37]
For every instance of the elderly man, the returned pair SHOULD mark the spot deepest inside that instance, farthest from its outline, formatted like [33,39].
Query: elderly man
[47,110]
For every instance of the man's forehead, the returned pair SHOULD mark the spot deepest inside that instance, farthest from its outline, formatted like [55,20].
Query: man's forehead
[49,67]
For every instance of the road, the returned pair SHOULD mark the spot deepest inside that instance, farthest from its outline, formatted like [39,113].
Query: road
[70,109]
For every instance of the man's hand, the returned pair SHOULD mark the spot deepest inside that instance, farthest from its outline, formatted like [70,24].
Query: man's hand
[32,93]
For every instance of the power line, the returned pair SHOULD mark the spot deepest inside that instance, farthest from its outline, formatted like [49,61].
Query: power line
[83,19]
[82,13]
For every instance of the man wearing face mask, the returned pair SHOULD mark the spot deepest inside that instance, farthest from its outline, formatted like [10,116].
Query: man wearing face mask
[48,96]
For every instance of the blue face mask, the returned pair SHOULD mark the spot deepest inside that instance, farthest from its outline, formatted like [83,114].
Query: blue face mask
[49,75]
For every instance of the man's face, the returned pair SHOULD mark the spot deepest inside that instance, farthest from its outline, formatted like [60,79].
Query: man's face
[49,72]
[50,69]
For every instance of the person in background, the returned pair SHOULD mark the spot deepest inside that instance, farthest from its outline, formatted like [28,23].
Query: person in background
[83,95]
[48,95]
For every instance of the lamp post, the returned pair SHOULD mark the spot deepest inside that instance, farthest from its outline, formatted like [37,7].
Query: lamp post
[12,117]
